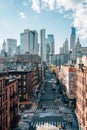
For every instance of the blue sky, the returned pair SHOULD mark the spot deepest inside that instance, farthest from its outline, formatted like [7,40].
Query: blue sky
[56,16]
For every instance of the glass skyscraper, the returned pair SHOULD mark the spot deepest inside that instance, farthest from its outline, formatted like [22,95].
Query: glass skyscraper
[22,42]
[11,46]
[51,42]
[72,38]
[29,41]
[43,44]
[33,42]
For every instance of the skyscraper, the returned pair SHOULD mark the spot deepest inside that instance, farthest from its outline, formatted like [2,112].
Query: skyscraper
[47,51]
[43,44]
[11,46]
[72,38]
[22,45]
[51,42]
[26,40]
[66,47]
[29,41]
[33,42]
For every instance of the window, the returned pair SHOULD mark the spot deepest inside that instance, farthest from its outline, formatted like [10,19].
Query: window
[72,76]
[24,89]
[24,96]
[20,91]
[86,102]
[0,85]
[19,83]
[19,76]
[24,83]
[24,76]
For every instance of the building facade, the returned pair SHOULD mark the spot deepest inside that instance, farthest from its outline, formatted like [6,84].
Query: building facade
[33,42]
[11,46]
[28,81]
[65,47]
[47,52]
[77,52]
[29,41]
[72,38]
[68,79]
[22,43]
[61,59]
[8,102]
[50,49]
[43,44]
[81,97]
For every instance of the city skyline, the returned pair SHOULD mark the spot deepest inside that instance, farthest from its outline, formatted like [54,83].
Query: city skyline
[56,17]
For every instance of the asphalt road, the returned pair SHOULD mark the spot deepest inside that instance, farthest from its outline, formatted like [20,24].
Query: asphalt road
[51,109]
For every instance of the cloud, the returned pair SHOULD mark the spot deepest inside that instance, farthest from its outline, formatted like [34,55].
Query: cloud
[79,14]
[49,3]
[36,5]
[25,3]
[22,15]
[69,16]
[75,9]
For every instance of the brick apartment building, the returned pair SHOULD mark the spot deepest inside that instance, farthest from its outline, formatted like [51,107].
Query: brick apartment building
[8,102]
[67,75]
[81,97]
[28,80]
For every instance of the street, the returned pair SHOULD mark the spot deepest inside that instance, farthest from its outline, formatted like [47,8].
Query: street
[50,107]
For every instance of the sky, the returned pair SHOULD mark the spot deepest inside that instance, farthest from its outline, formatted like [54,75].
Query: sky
[56,16]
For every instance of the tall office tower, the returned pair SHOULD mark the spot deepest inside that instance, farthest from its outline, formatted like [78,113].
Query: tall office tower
[51,42]
[47,51]
[72,38]
[11,46]
[33,36]
[22,45]
[24,41]
[66,47]
[29,41]
[43,44]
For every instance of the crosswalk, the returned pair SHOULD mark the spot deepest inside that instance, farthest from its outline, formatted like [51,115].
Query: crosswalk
[47,110]
[43,123]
